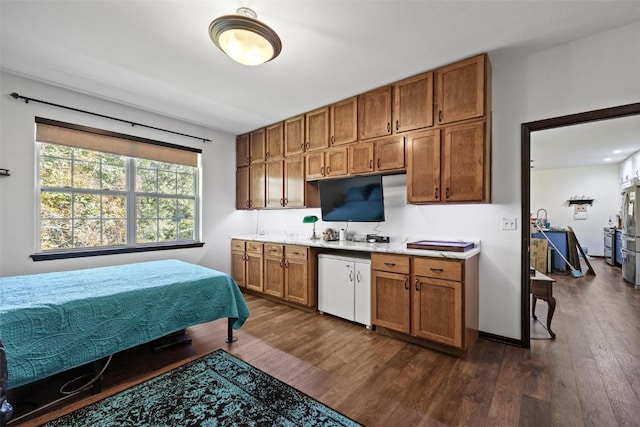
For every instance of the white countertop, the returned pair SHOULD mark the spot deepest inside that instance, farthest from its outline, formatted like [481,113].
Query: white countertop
[395,248]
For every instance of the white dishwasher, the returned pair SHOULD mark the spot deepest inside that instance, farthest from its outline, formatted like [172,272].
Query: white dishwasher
[344,286]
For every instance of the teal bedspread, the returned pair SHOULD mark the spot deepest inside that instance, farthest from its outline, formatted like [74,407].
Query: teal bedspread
[56,321]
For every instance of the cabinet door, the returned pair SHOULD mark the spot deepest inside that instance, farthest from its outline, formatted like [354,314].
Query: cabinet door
[465,172]
[257,140]
[274,276]
[296,281]
[363,293]
[374,113]
[423,167]
[255,272]
[294,135]
[315,165]
[257,186]
[275,184]
[317,129]
[242,188]
[344,121]
[336,161]
[390,153]
[361,157]
[238,268]
[437,310]
[294,183]
[390,300]
[242,150]
[460,90]
[413,103]
[275,141]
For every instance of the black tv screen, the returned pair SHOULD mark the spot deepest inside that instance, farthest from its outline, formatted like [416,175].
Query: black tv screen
[353,199]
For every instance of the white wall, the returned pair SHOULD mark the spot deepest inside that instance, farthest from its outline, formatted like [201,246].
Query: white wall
[551,188]
[17,192]
[592,73]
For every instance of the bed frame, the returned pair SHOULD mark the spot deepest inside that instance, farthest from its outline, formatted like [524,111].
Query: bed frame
[53,322]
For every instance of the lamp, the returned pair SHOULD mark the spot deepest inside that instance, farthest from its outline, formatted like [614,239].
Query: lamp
[311,219]
[245,39]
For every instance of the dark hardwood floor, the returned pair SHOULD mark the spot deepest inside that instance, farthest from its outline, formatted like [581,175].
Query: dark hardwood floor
[588,376]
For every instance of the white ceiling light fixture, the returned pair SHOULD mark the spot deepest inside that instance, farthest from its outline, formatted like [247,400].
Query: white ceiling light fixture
[245,39]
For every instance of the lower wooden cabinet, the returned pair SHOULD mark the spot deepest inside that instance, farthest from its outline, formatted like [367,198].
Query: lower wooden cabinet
[288,272]
[431,299]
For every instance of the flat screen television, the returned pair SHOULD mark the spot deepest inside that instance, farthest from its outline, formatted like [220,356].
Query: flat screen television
[353,199]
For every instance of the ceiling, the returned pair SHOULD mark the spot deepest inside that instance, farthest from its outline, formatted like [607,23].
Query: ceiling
[157,55]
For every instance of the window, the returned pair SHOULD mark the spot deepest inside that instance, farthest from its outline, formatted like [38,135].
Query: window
[106,193]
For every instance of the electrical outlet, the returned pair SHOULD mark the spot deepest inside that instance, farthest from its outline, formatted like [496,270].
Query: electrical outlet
[509,224]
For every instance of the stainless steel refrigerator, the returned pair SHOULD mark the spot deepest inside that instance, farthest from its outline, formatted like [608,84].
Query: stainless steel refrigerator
[631,235]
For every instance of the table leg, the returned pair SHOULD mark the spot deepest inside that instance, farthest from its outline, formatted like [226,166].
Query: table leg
[552,307]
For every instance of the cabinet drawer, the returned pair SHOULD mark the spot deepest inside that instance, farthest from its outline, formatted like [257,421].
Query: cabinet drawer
[237,245]
[392,263]
[254,247]
[296,252]
[273,250]
[438,268]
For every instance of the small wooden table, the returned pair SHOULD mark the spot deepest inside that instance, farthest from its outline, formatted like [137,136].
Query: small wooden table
[541,287]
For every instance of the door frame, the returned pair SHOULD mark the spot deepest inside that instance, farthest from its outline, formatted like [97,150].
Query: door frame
[525,165]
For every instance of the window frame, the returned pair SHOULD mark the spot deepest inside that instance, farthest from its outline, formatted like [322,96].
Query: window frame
[131,196]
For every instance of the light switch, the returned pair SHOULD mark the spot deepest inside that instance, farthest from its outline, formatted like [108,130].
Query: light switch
[509,223]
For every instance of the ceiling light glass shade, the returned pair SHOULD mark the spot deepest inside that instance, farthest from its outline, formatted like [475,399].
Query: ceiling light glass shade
[245,39]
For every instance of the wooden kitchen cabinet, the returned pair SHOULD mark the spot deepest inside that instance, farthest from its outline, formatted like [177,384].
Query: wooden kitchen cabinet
[243,150]
[462,90]
[317,129]
[344,122]
[274,269]
[257,182]
[449,164]
[413,103]
[242,188]
[274,142]
[285,183]
[247,264]
[433,300]
[301,273]
[374,113]
[385,154]
[257,140]
[294,135]
[328,163]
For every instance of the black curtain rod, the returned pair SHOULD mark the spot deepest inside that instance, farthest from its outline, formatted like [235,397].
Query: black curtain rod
[14,95]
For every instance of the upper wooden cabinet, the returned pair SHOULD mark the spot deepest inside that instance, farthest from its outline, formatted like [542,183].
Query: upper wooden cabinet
[294,135]
[242,188]
[257,190]
[374,113]
[413,103]
[461,90]
[275,141]
[328,163]
[384,154]
[344,122]
[451,164]
[275,184]
[257,140]
[317,129]
[243,153]
[285,183]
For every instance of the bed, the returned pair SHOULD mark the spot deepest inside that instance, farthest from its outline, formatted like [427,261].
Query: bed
[53,322]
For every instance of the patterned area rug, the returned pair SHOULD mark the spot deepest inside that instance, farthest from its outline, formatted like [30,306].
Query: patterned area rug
[215,390]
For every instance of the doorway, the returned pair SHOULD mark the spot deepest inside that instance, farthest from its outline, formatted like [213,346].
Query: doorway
[526,130]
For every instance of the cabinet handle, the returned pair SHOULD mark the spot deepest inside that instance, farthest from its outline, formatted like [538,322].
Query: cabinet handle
[302,147]
[332,140]
[246,203]
[378,163]
[390,264]
[245,257]
[447,193]
[267,155]
[397,125]
[250,159]
[307,145]
[370,164]
[281,262]
[417,285]
[328,171]
[322,170]
[286,201]
[358,277]
[281,202]
[286,263]
[388,127]
[435,195]
[440,115]
[406,283]
[436,270]
[351,275]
